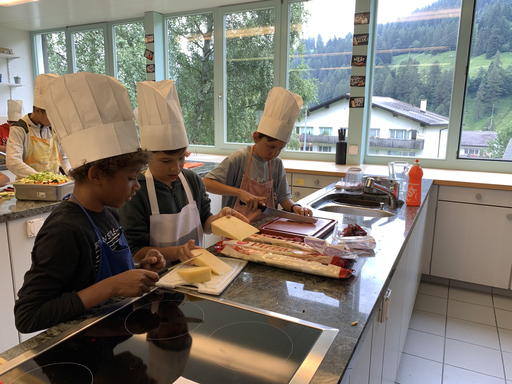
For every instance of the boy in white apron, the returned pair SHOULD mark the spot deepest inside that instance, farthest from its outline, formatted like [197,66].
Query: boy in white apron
[255,174]
[80,256]
[33,146]
[172,207]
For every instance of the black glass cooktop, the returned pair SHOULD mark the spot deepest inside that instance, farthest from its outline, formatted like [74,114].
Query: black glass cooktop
[169,335]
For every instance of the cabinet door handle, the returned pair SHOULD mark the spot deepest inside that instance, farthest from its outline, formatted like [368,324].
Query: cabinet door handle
[478,196]
[297,193]
[509,216]
[316,181]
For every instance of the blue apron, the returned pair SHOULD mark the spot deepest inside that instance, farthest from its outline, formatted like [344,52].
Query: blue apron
[112,262]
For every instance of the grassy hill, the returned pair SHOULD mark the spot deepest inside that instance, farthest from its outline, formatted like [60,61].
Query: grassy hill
[502,111]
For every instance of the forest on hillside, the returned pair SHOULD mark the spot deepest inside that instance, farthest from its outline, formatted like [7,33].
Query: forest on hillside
[415,60]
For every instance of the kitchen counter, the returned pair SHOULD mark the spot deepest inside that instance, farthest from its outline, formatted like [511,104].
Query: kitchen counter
[330,302]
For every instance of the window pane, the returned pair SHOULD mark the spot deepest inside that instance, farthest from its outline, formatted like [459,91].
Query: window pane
[89,51]
[51,54]
[129,40]
[249,70]
[413,77]
[487,128]
[319,69]
[190,48]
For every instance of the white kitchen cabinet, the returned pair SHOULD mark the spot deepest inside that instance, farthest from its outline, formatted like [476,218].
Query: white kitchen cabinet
[302,185]
[377,354]
[428,234]
[360,371]
[20,249]
[8,335]
[472,243]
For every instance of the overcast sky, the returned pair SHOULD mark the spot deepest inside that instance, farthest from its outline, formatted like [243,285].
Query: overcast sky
[330,18]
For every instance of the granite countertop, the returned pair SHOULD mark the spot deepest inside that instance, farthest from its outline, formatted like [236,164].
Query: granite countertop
[330,302]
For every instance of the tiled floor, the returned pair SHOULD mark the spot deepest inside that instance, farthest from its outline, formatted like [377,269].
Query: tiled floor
[458,336]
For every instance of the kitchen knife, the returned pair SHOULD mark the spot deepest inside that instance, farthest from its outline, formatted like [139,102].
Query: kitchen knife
[162,271]
[287,215]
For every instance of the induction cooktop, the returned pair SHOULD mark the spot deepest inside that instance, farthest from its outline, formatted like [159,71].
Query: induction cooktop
[167,335]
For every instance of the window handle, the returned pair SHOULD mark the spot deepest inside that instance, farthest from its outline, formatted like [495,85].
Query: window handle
[219,98]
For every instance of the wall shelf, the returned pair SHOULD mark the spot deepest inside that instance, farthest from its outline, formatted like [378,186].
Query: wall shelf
[10,85]
[8,57]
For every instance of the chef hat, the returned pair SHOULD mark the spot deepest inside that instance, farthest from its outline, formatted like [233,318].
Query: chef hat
[40,87]
[14,110]
[281,110]
[92,117]
[159,117]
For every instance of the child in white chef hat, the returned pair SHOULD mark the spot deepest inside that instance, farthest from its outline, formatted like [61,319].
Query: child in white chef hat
[80,256]
[172,207]
[256,174]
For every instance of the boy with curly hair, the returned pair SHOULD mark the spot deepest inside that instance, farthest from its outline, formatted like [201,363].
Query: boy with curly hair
[81,257]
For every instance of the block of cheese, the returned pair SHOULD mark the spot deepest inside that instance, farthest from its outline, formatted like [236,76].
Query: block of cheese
[209,260]
[196,274]
[233,228]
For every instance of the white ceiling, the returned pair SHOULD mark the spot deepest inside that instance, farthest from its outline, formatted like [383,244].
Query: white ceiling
[49,14]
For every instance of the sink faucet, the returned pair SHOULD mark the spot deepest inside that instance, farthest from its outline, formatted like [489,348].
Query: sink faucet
[391,192]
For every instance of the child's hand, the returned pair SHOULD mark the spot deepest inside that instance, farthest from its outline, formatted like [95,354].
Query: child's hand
[134,282]
[302,211]
[154,261]
[184,251]
[228,212]
[250,200]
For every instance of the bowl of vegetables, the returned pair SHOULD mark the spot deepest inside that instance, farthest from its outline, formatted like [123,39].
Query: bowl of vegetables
[46,186]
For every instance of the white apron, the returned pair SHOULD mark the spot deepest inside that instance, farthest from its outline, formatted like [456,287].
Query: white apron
[166,230]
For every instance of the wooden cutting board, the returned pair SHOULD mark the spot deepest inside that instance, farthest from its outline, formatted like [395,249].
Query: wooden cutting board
[289,228]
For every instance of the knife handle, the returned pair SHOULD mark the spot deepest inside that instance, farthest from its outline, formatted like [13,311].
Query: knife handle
[261,207]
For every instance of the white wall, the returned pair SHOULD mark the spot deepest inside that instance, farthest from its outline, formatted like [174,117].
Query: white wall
[19,42]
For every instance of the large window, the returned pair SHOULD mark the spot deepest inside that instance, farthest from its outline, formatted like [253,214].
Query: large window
[487,121]
[249,68]
[415,52]
[191,51]
[320,41]
[50,51]
[89,51]
[130,64]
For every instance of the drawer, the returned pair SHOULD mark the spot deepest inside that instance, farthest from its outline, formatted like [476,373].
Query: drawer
[289,178]
[313,181]
[475,196]
[301,192]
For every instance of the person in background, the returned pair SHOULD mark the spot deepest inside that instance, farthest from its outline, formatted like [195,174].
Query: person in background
[4,179]
[80,256]
[255,174]
[33,146]
[172,207]
[14,113]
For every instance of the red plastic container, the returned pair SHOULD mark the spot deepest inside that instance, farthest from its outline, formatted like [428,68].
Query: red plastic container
[414,188]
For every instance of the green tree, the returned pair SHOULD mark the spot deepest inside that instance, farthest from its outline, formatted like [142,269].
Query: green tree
[496,147]
[54,53]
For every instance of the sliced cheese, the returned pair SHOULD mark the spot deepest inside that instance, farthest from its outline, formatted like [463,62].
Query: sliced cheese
[208,259]
[233,228]
[196,274]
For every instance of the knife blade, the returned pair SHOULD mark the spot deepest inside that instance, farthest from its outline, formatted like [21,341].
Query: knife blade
[287,215]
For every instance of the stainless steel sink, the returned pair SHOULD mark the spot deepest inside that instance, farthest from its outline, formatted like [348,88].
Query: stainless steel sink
[367,204]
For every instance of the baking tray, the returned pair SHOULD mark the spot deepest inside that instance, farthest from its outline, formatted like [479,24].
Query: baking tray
[293,229]
[213,287]
[46,192]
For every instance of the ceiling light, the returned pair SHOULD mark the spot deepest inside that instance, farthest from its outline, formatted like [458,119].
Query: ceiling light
[10,3]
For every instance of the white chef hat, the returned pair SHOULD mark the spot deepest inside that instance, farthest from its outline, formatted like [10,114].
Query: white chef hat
[14,109]
[40,87]
[159,116]
[281,110]
[92,116]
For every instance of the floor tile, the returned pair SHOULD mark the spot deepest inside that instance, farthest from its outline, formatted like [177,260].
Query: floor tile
[426,345]
[428,322]
[504,319]
[505,340]
[433,289]
[502,302]
[431,304]
[471,312]
[415,370]
[471,332]
[455,375]
[507,361]
[474,357]
[472,297]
